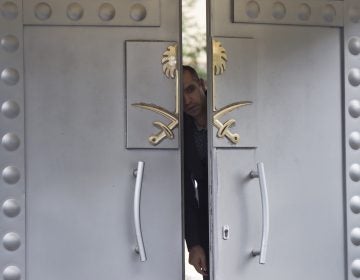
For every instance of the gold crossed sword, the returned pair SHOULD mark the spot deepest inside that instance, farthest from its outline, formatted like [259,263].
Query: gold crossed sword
[166,131]
[224,128]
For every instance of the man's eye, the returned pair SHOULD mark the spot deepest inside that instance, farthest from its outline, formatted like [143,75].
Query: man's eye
[190,89]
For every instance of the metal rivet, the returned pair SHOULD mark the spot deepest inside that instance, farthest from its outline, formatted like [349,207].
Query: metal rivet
[11,208]
[252,9]
[354,172]
[9,10]
[9,43]
[355,268]
[329,13]
[137,12]
[10,76]
[11,175]
[354,14]
[355,204]
[304,12]
[43,11]
[355,236]
[279,10]
[12,273]
[11,241]
[106,12]
[354,45]
[10,141]
[354,108]
[75,11]
[10,109]
[354,77]
[354,140]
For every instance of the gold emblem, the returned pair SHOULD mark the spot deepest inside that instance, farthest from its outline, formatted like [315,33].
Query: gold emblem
[219,58]
[169,62]
[224,128]
[166,130]
[219,66]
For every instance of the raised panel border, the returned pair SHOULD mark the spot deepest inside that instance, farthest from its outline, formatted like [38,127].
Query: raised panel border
[93,13]
[289,12]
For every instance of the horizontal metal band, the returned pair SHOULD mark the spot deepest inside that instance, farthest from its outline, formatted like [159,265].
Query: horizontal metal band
[290,12]
[95,13]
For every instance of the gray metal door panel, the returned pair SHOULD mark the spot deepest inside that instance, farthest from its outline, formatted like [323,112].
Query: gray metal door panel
[299,99]
[80,182]
[237,201]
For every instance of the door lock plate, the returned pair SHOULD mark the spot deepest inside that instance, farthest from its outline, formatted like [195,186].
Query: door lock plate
[225,232]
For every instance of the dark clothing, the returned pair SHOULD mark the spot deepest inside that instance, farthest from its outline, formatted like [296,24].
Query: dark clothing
[195,166]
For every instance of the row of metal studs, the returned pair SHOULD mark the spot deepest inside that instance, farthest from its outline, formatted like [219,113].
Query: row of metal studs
[75,11]
[12,129]
[352,103]
[287,12]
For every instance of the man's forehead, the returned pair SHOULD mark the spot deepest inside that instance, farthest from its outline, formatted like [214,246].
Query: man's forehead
[188,77]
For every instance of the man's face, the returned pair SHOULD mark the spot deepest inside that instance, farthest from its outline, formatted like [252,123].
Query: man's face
[194,96]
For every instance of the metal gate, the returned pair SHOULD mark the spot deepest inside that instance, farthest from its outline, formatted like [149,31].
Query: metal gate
[90,156]
[285,140]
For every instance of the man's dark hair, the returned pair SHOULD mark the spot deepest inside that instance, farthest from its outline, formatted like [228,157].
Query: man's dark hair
[192,71]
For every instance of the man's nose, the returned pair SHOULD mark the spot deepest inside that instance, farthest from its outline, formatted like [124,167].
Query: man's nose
[187,99]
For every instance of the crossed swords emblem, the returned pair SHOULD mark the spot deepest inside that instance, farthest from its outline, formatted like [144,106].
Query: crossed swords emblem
[224,128]
[169,69]
[219,67]
[166,131]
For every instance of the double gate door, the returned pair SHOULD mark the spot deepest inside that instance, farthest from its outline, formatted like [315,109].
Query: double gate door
[91,139]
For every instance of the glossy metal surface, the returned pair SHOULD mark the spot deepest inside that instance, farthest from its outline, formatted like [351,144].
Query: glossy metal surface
[260,173]
[354,108]
[10,141]
[12,272]
[11,241]
[354,172]
[355,236]
[79,179]
[290,107]
[355,268]
[10,109]
[11,208]
[355,204]
[10,76]
[354,45]
[11,175]
[9,43]
[138,173]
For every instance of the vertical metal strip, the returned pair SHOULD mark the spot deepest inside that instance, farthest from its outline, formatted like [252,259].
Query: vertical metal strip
[12,151]
[352,132]
[215,193]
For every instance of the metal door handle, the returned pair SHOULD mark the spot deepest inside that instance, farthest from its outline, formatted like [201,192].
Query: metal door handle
[138,173]
[260,173]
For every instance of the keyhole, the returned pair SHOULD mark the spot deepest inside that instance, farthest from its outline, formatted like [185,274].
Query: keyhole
[226,232]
